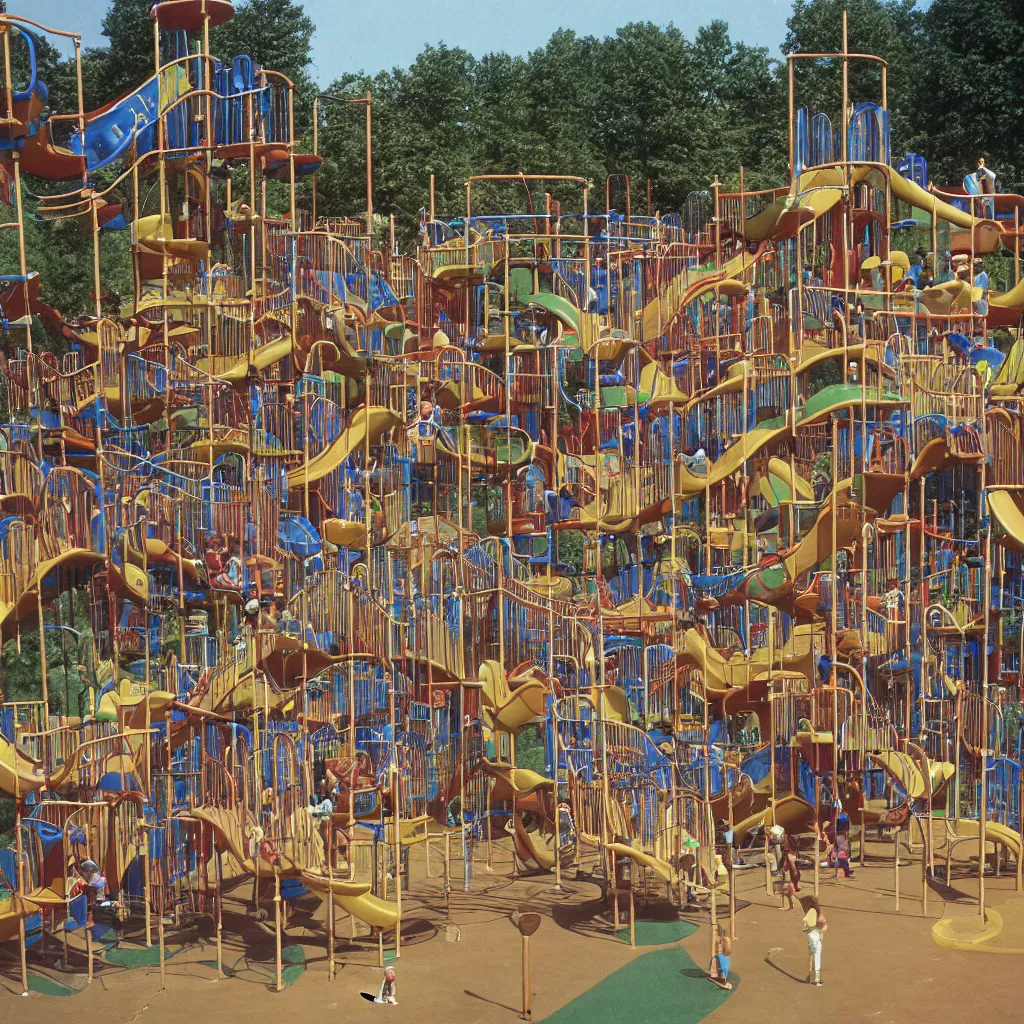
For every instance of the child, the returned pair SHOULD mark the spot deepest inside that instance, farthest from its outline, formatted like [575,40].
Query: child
[718,972]
[814,926]
[94,885]
[843,849]
[388,989]
[790,851]
[773,856]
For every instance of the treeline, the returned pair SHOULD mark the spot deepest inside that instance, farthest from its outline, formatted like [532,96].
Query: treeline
[649,102]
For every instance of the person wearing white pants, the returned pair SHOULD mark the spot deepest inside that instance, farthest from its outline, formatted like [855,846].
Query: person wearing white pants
[814,925]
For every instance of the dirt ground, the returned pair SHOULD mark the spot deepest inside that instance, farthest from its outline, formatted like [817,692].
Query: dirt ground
[880,964]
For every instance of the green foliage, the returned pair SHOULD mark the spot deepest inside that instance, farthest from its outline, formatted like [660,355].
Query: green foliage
[822,375]
[277,34]
[530,749]
[890,29]
[645,102]
[974,66]
[129,58]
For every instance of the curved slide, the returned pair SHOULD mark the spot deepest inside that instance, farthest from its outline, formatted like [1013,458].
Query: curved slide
[1008,509]
[511,709]
[356,899]
[369,424]
[110,131]
[535,841]
[748,445]
[967,828]
[792,812]
[682,290]
[906,773]
[511,783]
[19,773]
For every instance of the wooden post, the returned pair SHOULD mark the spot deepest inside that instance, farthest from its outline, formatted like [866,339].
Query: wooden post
[220,913]
[732,904]
[331,915]
[817,778]
[896,863]
[447,875]
[527,1013]
[527,925]
[632,916]
[163,948]
[279,981]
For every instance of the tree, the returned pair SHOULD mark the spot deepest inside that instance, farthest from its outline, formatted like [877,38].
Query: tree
[127,60]
[890,29]
[974,68]
[278,35]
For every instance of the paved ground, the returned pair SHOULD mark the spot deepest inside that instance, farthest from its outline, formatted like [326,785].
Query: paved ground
[879,964]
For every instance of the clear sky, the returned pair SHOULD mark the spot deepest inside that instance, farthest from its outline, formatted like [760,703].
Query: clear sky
[369,35]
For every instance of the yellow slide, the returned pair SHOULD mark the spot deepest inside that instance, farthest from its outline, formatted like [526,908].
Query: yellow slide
[816,545]
[19,773]
[659,387]
[1010,375]
[356,899]
[967,828]
[510,709]
[511,783]
[229,835]
[748,445]
[722,675]
[777,485]
[535,840]
[792,812]
[811,196]
[155,235]
[660,867]
[1008,509]
[905,771]
[13,911]
[911,192]
[132,707]
[262,358]
[687,286]
[373,424]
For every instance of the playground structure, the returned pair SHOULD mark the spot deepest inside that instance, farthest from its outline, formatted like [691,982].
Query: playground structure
[718,505]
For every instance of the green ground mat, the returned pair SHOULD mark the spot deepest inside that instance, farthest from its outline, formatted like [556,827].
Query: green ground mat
[664,985]
[294,959]
[658,933]
[48,986]
[138,956]
[293,964]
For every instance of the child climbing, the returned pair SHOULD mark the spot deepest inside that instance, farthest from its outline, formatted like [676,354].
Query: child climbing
[93,884]
[718,972]
[814,926]
[388,988]
[782,861]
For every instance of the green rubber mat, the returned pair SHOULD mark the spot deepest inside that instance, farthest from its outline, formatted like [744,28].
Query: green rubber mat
[658,933]
[47,986]
[293,965]
[138,956]
[664,985]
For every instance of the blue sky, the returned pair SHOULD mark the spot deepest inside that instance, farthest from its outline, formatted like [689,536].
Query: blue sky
[354,36]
